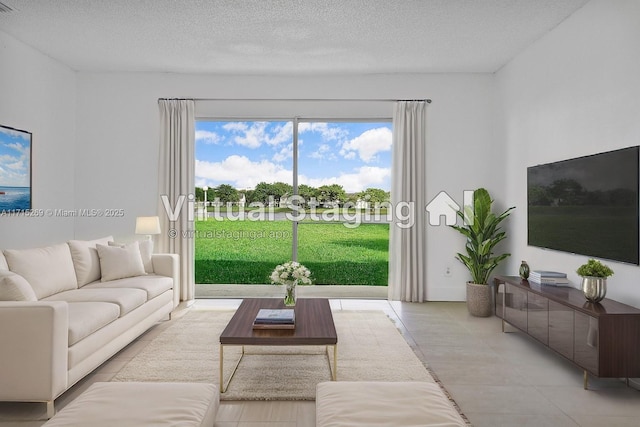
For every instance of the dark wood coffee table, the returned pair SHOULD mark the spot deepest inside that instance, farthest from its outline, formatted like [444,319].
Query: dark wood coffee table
[314,326]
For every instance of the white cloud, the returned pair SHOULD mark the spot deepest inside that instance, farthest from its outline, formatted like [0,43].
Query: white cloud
[207,137]
[368,144]
[328,133]
[285,153]
[5,158]
[17,166]
[282,133]
[14,176]
[235,126]
[323,152]
[251,137]
[16,134]
[20,148]
[361,179]
[14,169]
[257,134]
[240,172]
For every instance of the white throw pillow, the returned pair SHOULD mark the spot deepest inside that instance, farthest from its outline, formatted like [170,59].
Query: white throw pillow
[14,287]
[85,259]
[119,262]
[48,270]
[146,251]
[3,262]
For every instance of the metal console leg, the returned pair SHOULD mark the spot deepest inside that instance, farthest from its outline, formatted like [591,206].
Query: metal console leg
[586,380]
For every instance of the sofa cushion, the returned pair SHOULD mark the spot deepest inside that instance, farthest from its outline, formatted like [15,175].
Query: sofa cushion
[14,287]
[87,317]
[85,259]
[142,404]
[127,299]
[371,403]
[153,285]
[146,251]
[119,262]
[48,270]
[3,262]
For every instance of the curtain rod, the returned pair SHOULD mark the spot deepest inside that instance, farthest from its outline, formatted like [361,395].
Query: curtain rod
[428,101]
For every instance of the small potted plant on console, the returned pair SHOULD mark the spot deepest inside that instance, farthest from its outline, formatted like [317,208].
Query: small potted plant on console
[594,279]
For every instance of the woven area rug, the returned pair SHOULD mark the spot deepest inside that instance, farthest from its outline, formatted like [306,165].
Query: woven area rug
[370,348]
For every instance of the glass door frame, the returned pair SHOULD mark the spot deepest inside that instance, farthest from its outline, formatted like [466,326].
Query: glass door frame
[296,120]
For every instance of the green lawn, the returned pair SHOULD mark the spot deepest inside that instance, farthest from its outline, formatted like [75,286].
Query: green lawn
[245,252]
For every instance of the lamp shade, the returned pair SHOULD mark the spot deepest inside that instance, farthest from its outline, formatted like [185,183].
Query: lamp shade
[147,225]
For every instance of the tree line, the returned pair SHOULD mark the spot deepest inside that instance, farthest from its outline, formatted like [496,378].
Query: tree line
[569,192]
[265,192]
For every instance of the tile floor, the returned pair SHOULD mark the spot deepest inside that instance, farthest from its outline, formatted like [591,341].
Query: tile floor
[498,379]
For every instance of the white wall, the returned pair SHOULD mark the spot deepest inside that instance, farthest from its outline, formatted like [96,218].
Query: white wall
[38,94]
[96,141]
[574,92]
[117,130]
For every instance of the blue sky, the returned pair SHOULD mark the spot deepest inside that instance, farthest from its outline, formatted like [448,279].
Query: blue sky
[14,158]
[242,154]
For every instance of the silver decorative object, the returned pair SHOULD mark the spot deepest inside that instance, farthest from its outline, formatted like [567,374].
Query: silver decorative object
[594,288]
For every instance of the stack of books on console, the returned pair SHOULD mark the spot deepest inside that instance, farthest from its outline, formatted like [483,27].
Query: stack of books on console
[284,318]
[553,278]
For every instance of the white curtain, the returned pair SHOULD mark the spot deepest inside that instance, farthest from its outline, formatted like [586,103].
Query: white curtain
[176,187]
[407,239]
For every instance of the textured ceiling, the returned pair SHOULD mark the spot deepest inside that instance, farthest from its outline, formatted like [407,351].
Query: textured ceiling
[283,36]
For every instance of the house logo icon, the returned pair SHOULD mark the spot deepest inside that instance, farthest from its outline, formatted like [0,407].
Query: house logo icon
[443,205]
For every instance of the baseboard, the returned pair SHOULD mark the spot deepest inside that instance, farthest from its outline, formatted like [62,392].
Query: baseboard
[634,382]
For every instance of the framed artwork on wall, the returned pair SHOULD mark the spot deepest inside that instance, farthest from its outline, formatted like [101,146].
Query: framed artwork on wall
[15,170]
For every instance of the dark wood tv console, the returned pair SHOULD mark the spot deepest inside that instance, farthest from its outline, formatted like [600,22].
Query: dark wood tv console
[603,339]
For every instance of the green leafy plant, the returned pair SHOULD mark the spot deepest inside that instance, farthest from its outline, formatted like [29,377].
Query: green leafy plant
[594,268]
[481,228]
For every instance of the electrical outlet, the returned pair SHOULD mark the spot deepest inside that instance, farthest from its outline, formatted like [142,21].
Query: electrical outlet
[447,271]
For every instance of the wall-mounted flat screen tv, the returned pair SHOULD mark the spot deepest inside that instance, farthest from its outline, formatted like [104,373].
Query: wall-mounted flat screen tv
[587,205]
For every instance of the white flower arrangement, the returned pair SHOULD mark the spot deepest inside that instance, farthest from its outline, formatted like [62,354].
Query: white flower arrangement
[291,273]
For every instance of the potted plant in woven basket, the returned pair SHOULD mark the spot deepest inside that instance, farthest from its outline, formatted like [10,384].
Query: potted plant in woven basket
[481,227]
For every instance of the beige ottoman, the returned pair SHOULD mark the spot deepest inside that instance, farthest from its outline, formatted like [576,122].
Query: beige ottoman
[138,404]
[371,404]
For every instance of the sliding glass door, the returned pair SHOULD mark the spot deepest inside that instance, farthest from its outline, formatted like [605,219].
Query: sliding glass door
[344,173]
[312,191]
[246,169]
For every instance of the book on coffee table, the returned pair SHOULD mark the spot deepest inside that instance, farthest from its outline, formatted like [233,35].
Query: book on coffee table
[266,318]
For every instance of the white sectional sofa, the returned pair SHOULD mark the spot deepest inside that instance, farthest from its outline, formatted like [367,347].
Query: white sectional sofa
[67,308]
